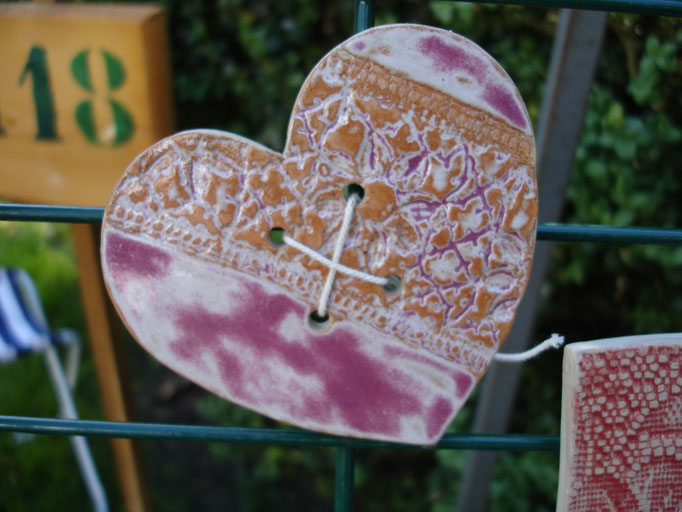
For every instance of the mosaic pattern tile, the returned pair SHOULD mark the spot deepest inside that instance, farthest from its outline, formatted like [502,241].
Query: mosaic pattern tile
[621,426]
[436,134]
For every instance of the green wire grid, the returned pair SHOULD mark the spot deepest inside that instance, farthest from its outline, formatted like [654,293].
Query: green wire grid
[276,436]
[345,457]
[547,231]
[655,7]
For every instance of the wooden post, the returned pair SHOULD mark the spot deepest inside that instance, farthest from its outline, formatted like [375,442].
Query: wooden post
[83,90]
[105,341]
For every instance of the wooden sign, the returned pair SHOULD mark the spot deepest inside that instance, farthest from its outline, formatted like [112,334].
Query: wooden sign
[621,425]
[83,89]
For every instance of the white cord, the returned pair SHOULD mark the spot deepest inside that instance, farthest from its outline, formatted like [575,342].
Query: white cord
[381,281]
[340,241]
[333,264]
[554,341]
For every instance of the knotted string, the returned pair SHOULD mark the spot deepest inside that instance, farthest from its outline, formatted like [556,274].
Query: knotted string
[555,341]
[333,264]
[340,241]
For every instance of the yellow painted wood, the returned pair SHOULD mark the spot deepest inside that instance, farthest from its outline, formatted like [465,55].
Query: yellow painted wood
[63,163]
[70,168]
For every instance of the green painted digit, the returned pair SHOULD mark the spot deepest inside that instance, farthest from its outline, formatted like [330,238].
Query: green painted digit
[42,93]
[123,121]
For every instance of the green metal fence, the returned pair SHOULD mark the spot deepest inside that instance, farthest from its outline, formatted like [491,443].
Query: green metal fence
[364,18]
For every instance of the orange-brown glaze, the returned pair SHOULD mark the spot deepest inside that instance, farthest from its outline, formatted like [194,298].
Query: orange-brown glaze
[450,205]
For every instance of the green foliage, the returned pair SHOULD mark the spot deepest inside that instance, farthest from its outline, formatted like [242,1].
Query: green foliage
[657,63]
[238,65]
[626,173]
[46,253]
[525,482]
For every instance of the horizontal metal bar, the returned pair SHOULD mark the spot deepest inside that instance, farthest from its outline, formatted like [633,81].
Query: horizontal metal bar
[549,232]
[656,7]
[284,437]
[610,234]
[51,213]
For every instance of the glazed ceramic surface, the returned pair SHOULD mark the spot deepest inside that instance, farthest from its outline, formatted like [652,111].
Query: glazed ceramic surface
[438,137]
[621,425]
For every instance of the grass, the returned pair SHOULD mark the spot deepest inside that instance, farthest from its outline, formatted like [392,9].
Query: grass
[41,473]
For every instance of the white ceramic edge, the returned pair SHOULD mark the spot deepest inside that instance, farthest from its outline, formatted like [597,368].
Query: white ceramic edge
[566,424]
[623,342]
[411,65]
[222,133]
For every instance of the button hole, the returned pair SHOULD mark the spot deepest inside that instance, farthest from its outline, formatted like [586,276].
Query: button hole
[353,188]
[318,322]
[393,286]
[276,237]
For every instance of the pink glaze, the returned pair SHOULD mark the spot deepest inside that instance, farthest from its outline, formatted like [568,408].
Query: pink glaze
[439,414]
[450,58]
[234,339]
[127,255]
[370,396]
[464,382]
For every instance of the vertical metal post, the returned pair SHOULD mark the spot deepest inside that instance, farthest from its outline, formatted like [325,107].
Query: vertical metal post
[345,458]
[364,15]
[569,81]
[345,472]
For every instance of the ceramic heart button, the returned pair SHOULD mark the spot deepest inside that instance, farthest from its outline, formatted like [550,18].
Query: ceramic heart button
[434,133]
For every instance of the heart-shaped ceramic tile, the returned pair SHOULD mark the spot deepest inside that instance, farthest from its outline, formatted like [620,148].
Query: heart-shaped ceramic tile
[438,137]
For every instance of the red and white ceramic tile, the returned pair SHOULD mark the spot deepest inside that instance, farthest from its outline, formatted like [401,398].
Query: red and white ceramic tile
[621,440]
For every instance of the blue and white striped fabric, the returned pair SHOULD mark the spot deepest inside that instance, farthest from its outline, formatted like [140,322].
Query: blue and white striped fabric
[23,328]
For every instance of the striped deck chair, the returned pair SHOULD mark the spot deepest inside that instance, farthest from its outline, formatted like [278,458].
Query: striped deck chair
[24,330]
